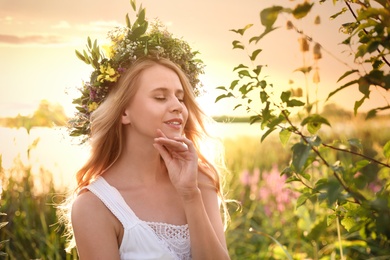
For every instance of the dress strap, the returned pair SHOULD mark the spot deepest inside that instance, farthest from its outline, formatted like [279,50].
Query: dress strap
[114,201]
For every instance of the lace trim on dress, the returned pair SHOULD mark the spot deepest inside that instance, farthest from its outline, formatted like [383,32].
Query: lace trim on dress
[177,238]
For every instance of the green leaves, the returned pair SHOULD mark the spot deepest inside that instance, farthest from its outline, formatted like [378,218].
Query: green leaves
[285,97]
[346,74]
[128,23]
[342,179]
[133,5]
[334,16]
[301,10]
[364,86]
[355,143]
[300,155]
[229,94]
[2,224]
[284,135]
[242,31]
[254,54]
[238,45]
[92,55]
[372,48]
[269,15]
[314,123]
[386,150]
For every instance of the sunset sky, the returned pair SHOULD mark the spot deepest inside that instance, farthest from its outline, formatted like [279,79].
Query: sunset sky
[38,39]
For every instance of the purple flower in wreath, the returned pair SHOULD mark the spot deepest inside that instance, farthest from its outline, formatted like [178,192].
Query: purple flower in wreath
[121,70]
[92,94]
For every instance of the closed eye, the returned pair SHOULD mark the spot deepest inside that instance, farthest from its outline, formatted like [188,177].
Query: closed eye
[180,97]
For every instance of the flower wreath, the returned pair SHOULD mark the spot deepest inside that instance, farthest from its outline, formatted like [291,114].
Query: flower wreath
[127,45]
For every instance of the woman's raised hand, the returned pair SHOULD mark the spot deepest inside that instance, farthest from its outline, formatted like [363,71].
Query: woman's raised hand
[181,160]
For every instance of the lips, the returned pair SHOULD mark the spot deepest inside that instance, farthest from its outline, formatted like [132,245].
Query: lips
[175,124]
[174,121]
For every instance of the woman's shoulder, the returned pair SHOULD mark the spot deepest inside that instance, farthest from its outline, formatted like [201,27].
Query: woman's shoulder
[206,180]
[89,210]
[87,203]
[95,229]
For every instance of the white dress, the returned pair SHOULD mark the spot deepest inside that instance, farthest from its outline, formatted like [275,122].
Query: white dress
[141,239]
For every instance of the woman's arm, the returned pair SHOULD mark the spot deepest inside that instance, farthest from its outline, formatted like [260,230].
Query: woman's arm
[200,204]
[205,224]
[94,229]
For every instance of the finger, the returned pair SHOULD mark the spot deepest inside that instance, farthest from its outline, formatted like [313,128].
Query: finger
[185,141]
[172,145]
[163,151]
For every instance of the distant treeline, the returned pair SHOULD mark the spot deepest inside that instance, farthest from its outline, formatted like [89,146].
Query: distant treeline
[49,115]
[330,111]
[46,115]
[231,119]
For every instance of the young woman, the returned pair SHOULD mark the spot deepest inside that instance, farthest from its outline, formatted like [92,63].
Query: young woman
[147,192]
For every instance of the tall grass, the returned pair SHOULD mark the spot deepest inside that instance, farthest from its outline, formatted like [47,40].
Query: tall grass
[32,231]
[250,162]
[267,204]
[299,230]
[4,223]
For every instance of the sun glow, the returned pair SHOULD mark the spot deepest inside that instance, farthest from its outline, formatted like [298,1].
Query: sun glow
[50,149]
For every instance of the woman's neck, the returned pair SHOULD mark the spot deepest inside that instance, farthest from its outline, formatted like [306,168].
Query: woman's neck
[140,164]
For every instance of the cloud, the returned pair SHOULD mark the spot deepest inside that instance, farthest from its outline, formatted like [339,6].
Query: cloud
[12,109]
[36,39]
[99,26]
[6,19]
[61,25]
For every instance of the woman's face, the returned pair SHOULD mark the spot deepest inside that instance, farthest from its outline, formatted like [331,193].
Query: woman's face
[157,104]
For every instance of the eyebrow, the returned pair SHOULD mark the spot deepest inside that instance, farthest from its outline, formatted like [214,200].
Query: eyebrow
[177,92]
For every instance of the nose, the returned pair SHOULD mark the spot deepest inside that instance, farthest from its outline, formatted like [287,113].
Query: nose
[176,106]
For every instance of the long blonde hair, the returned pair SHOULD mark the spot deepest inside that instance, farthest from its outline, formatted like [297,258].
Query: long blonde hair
[107,130]
[107,133]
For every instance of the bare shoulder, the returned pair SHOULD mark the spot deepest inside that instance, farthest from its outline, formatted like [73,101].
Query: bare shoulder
[95,227]
[206,183]
[208,190]
[86,200]
[88,208]
[86,205]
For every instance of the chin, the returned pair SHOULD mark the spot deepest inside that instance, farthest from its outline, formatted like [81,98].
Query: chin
[171,134]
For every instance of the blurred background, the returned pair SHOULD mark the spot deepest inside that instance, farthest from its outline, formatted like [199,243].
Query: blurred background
[40,75]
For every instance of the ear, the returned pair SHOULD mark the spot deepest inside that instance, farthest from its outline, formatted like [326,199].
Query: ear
[126,117]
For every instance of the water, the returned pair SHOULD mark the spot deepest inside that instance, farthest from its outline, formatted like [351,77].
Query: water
[62,155]
[54,151]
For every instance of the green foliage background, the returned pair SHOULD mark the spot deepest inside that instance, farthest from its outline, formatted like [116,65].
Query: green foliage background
[332,166]
[343,181]
[33,232]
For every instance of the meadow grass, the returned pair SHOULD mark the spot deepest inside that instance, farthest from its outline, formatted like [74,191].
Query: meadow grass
[267,203]
[29,202]
[299,230]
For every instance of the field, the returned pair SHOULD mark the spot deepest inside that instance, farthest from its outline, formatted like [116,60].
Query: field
[265,222]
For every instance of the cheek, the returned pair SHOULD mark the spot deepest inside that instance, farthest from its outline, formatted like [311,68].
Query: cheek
[138,111]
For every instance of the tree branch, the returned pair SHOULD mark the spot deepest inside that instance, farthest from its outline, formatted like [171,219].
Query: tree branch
[354,194]
[364,30]
[358,154]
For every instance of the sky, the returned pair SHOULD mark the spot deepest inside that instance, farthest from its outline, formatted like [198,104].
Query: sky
[38,40]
